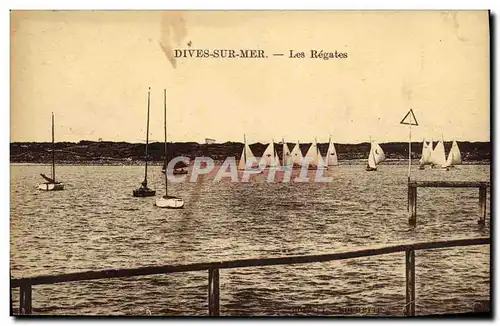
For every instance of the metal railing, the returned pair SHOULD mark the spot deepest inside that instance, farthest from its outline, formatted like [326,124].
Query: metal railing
[213,268]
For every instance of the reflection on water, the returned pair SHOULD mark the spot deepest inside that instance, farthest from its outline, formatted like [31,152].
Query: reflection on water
[95,223]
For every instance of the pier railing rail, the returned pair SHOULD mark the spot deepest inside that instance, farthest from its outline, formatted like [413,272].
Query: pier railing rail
[26,284]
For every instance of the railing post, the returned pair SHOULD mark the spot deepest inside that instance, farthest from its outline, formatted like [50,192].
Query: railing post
[25,300]
[412,199]
[213,292]
[482,205]
[410,283]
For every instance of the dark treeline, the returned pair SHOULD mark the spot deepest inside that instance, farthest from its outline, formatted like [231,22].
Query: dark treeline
[108,152]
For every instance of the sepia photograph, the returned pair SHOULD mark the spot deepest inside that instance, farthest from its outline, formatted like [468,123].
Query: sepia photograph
[257,163]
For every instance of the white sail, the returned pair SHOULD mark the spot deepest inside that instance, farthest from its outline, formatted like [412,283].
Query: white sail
[331,155]
[314,156]
[378,153]
[426,153]
[454,157]
[438,155]
[242,164]
[371,158]
[247,158]
[287,156]
[269,158]
[297,155]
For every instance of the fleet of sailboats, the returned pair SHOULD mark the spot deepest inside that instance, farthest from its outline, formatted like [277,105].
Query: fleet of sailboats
[51,184]
[436,157]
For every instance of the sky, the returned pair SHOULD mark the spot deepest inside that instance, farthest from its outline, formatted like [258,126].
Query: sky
[93,70]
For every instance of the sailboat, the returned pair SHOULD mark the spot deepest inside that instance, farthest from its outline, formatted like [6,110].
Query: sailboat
[314,157]
[287,156]
[51,184]
[375,156]
[438,157]
[167,201]
[454,156]
[144,191]
[297,155]
[269,158]
[331,154]
[426,154]
[247,159]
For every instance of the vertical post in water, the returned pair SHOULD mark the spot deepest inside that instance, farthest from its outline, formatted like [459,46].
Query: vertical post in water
[25,299]
[482,205]
[412,198]
[410,283]
[409,156]
[213,292]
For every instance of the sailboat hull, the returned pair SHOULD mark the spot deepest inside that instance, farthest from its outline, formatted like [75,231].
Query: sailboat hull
[144,192]
[370,169]
[169,202]
[51,186]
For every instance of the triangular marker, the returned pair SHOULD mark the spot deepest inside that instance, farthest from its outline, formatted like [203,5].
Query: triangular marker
[411,121]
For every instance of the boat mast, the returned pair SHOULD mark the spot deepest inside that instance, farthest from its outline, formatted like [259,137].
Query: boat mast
[147,142]
[245,150]
[165,128]
[283,154]
[53,152]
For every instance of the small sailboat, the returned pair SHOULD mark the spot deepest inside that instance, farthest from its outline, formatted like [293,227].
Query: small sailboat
[144,191]
[297,156]
[179,168]
[425,159]
[454,156]
[438,157]
[331,154]
[51,184]
[247,159]
[269,158]
[375,156]
[167,201]
[314,157]
[287,159]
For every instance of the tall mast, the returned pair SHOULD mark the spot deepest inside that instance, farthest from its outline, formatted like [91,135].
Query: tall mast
[245,149]
[165,127]
[147,142]
[53,152]
[283,154]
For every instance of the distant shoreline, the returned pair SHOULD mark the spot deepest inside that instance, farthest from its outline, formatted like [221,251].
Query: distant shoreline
[217,163]
[121,153]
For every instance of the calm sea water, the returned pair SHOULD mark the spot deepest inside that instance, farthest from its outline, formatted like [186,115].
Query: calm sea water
[95,223]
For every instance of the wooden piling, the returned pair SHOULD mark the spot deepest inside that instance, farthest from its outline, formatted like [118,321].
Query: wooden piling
[410,283]
[25,299]
[482,205]
[213,292]
[412,199]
